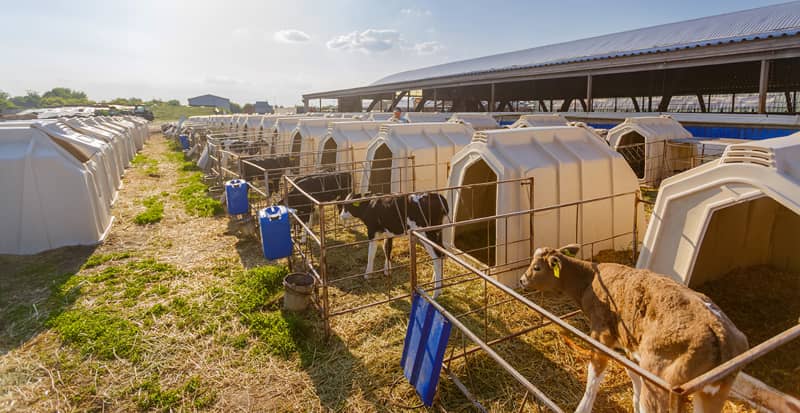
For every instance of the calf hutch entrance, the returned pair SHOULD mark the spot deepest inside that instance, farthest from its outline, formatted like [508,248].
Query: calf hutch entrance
[477,239]
[580,191]
[409,157]
[730,229]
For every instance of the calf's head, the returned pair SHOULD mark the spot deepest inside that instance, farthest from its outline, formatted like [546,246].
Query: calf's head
[352,209]
[544,273]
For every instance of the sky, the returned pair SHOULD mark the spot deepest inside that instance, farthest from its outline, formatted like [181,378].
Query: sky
[278,50]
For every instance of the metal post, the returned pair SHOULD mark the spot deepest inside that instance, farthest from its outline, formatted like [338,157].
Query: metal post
[320,104]
[733,102]
[434,100]
[408,101]
[323,271]
[762,86]
[412,251]
[589,93]
[491,100]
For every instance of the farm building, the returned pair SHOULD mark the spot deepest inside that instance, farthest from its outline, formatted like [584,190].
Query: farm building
[212,101]
[650,146]
[748,57]
[738,211]
[262,108]
[409,157]
[568,164]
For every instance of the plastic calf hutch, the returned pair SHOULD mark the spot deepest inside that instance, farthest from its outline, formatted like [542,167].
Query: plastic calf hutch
[740,210]
[407,157]
[569,164]
[425,117]
[379,116]
[477,121]
[647,144]
[40,177]
[530,121]
[306,137]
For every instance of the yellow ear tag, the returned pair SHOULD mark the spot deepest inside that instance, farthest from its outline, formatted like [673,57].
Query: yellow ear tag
[356,204]
[557,270]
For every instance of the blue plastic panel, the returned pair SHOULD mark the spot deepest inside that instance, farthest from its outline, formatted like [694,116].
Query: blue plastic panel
[423,352]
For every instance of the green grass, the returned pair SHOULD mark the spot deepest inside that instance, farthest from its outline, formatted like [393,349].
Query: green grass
[100,259]
[151,396]
[281,333]
[153,213]
[194,195]
[164,112]
[98,332]
[148,165]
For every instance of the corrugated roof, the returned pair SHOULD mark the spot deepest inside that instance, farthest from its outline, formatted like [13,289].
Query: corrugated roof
[761,23]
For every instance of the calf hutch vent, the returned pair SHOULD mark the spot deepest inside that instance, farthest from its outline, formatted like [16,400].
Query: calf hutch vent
[51,192]
[530,121]
[650,146]
[738,211]
[477,121]
[409,157]
[569,165]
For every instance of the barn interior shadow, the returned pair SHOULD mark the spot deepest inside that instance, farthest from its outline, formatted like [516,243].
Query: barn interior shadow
[33,290]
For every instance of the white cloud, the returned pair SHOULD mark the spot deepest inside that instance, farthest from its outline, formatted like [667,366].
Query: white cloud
[222,80]
[291,36]
[415,12]
[426,48]
[368,41]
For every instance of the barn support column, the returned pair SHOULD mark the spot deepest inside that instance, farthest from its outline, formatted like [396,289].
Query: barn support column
[663,106]
[789,102]
[635,104]
[587,106]
[543,106]
[584,105]
[396,100]
[491,99]
[762,86]
[701,101]
[421,105]
[373,104]
[435,108]
[565,105]
[349,104]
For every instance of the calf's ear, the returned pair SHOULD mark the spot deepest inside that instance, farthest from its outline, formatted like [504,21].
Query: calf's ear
[555,263]
[570,250]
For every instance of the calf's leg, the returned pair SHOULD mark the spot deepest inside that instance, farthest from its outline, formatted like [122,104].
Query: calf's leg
[373,248]
[596,374]
[637,389]
[387,252]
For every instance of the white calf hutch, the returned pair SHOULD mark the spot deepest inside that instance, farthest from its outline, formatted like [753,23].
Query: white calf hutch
[306,137]
[647,144]
[477,121]
[420,117]
[740,210]
[38,177]
[530,121]
[568,165]
[408,157]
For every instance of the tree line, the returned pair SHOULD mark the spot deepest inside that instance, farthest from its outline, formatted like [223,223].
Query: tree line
[63,96]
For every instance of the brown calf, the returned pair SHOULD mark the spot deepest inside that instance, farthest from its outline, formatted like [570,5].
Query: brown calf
[667,328]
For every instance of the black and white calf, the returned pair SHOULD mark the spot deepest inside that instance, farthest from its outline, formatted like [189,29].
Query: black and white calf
[323,187]
[390,216]
[272,168]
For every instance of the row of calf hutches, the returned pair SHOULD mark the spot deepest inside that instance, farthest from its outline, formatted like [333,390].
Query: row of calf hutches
[568,164]
[59,179]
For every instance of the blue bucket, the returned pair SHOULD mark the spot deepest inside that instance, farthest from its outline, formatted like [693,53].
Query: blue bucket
[276,237]
[236,195]
[184,141]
